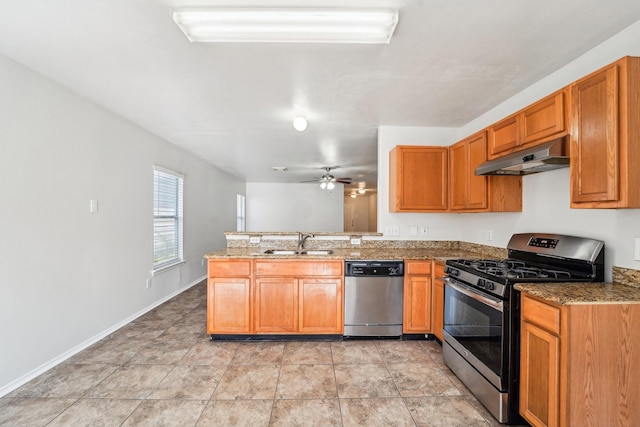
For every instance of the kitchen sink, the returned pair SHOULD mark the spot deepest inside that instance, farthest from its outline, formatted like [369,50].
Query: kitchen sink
[317,252]
[294,252]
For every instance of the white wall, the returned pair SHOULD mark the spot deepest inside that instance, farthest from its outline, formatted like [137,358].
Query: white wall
[68,276]
[545,195]
[293,207]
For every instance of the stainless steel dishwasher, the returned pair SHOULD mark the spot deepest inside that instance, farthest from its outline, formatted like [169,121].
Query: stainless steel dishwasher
[373,292]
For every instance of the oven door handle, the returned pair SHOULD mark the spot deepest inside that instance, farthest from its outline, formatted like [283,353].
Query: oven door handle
[495,303]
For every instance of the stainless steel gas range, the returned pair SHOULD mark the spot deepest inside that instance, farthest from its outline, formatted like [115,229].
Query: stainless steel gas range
[482,310]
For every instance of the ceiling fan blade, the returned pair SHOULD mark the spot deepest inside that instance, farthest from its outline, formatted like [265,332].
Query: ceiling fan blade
[313,180]
[344,180]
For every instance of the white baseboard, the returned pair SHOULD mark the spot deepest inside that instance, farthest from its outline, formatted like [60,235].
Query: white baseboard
[8,388]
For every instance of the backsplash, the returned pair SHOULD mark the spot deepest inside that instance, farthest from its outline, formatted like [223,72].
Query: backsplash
[288,240]
[626,276]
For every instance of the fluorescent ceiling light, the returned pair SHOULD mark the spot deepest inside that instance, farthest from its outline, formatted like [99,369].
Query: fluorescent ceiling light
[302,25]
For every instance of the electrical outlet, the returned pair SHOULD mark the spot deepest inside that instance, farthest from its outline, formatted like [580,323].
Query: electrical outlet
[413,230]
[489,235]
[254,239]
[393,230]
[637,249]
[93,206]
[356,241]
[424,230]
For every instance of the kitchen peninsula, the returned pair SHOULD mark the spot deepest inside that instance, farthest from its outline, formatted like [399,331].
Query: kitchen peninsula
[254,292]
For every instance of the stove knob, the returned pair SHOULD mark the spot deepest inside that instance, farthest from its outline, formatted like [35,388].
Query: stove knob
[451,271]
[490,286]
[481,283]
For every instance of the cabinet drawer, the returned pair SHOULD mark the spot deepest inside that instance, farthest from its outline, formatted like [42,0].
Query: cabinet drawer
[417,267]
[541,314]
[299,268]
[229,268]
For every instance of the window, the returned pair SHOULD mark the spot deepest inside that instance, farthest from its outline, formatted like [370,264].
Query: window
[167,218]
[240,212]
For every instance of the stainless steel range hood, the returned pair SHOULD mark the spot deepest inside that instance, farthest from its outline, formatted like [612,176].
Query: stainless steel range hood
[543,157]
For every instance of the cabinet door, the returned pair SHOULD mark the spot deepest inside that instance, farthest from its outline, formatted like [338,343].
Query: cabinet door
[539,376]
[504,136]
[437,301]
[276,305]
[418,179]
[228,306]
[321,306]
[543,119]
[458,175]
[594,138]
[417,305]
[477,185]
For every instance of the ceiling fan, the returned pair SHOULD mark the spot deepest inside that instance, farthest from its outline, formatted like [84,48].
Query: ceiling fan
[328,181]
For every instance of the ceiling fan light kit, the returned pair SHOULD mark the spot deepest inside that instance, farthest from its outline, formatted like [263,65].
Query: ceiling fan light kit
[328,181]
[287,25]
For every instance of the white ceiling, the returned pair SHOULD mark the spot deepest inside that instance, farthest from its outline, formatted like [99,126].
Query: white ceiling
[232,104]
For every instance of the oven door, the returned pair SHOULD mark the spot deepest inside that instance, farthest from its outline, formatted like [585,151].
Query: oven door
[475,325]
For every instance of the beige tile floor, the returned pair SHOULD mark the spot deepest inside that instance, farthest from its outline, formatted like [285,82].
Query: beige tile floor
[162,369]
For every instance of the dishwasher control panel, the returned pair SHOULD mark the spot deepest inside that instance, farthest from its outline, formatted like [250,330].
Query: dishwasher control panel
[374,268]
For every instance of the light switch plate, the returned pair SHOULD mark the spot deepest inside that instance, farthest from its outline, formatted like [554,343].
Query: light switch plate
[413,231]
[356,241]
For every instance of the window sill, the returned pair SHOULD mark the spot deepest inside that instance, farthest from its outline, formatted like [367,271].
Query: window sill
[164,268]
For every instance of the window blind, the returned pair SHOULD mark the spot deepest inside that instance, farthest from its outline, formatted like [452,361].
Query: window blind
[167,218]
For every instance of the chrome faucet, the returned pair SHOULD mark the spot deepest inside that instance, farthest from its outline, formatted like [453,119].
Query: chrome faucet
[302,238]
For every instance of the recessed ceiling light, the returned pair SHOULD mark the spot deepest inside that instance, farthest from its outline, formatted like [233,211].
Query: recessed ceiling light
[299,124]
[287,25]
[279,168]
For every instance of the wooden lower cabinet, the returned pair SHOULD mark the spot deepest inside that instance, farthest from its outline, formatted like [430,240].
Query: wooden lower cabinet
[229,297]
[276,305]
[320,306]
[437,300]
[579,364]
[275,297]
[416,316]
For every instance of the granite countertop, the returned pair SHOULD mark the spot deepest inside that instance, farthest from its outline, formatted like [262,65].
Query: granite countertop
[351,253]
[583,293]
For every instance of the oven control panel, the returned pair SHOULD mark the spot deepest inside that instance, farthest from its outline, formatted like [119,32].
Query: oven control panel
[540,242]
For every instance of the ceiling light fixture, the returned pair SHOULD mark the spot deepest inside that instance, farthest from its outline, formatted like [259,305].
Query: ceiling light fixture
[353,195]
[328,182]
[299,124]
[287,25]
[361,190]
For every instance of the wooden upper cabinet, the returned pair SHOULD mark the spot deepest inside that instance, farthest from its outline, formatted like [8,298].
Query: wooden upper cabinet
[468,191]
[504,136]
[540,122]
[545,118]
[605,127]
[418,179]
[471,193]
